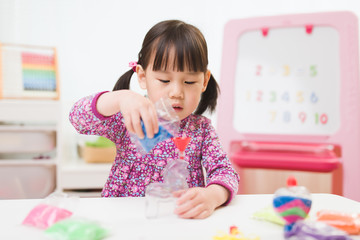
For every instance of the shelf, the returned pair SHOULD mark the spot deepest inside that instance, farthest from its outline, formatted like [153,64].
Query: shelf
[30,147]
[78,165]
[23,162]
[27,139]
[11,127]
[30,128]
[31,110]
[84,193]
[80,175]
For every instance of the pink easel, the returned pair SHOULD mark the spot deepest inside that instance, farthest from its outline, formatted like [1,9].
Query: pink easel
[335,150]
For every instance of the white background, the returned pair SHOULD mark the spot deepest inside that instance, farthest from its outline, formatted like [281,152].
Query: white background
[97,39]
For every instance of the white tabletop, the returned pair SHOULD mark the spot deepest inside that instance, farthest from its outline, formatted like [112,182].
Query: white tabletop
[125,218]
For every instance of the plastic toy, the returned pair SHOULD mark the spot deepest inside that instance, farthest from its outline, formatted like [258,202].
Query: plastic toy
[292,203]
[159,200]
[176,172]
[234,234]
[258,118]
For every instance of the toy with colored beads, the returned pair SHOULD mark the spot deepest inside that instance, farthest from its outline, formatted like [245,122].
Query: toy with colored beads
[28,72]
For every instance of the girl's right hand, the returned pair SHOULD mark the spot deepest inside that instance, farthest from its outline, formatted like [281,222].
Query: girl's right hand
[134,108]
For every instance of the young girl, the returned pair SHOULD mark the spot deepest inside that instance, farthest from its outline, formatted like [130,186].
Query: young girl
[173,64]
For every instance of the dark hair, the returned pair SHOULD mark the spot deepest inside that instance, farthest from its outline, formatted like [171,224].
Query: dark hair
[190,54]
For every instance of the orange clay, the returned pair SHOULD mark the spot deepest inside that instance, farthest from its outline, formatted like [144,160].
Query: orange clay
[349,223]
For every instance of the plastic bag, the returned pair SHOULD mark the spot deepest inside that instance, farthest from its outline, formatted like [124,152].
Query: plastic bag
[310,230]
[77,229]
[268,214]
[169,124]
[52,209]
[347,222]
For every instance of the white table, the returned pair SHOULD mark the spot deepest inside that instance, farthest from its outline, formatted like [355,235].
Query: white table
[125,218]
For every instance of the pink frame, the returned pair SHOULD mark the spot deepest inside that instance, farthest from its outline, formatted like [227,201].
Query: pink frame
[348,135]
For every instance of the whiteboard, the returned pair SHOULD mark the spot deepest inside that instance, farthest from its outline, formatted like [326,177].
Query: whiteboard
[288,82]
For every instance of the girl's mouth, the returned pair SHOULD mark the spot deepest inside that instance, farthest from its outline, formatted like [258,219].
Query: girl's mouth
[177,108]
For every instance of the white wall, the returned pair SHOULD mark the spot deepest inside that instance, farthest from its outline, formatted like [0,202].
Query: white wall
[97,39]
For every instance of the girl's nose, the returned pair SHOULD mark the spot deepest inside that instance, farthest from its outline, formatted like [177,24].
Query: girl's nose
[176,91]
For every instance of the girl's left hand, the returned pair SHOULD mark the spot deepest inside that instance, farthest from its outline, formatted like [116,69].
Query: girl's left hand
[199,202]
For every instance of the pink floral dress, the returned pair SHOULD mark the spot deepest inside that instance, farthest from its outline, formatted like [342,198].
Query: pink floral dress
[131,172]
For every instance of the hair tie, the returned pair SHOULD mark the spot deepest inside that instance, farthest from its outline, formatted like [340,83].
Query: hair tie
[133,65]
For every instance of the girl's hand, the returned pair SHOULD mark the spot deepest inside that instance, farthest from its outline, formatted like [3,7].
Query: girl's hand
[200,202]
[134,108]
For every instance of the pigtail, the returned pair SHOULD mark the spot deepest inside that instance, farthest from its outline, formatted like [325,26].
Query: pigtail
[124,81]
[209,97]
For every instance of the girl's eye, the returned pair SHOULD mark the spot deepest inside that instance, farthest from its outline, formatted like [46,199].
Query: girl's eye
[187,82]
[164,81]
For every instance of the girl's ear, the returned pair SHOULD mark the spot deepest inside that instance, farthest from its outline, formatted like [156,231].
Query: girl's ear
[141,76]
[207,76]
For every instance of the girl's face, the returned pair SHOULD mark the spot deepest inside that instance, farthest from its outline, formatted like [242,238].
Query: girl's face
[182,88]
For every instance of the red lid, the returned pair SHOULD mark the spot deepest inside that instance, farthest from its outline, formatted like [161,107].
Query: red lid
[291,181]
[181,142]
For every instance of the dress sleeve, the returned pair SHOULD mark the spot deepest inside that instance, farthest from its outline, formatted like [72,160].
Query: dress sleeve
[87,120]
[216,162]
